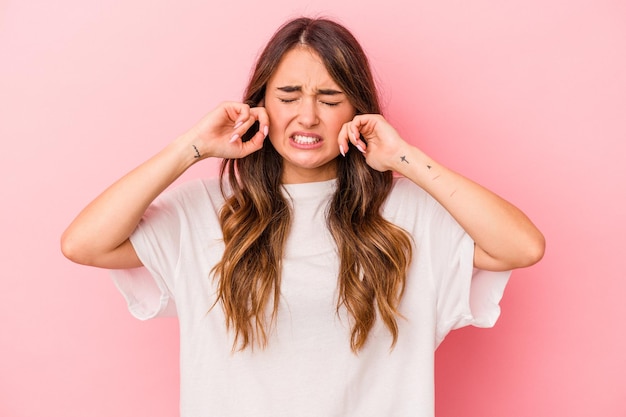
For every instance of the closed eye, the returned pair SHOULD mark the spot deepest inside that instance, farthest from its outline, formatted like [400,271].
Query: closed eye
[326,103]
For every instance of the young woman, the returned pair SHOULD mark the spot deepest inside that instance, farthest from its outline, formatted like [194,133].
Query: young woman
[306,278]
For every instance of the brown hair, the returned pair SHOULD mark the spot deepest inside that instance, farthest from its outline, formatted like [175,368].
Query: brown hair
[256,217]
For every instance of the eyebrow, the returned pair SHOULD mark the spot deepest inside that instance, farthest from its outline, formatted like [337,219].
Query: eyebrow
[297,88]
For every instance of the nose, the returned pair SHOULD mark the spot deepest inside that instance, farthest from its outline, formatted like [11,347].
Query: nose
[307,112]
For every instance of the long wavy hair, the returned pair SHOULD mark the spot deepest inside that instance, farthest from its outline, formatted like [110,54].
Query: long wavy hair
[255,219]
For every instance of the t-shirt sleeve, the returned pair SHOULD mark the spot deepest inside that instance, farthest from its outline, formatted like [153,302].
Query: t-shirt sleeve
[465,295]
[462,294]
[149,290]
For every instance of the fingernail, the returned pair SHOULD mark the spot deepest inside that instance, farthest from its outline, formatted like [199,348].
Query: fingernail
[234,138]
[238,124]
[266,130]
[343,153]
[360,148]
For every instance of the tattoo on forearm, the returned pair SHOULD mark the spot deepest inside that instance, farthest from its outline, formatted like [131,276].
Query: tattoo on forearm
[403,159]
[197,155]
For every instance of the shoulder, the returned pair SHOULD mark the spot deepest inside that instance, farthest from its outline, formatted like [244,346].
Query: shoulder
[405,185]
[196,187]
[194,190]
[412,208]
[405,194]
[189,197]
[186,210]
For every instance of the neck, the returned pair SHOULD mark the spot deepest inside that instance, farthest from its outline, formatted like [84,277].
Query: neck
[293,175]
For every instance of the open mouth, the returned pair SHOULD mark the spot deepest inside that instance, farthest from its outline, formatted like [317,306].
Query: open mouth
[305,140]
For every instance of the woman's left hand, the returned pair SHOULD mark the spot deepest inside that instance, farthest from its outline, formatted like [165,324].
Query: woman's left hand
[504,237]
[382,143]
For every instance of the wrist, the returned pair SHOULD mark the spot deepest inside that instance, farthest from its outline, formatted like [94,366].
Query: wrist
[410,161]
[186,150]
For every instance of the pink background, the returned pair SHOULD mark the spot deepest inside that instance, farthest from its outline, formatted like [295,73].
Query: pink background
[527,97]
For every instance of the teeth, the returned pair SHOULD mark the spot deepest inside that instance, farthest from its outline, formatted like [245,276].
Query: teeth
[305,140]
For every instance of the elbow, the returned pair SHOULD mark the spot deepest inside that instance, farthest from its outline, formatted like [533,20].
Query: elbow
[72,249]
[533,252]
[68,249]
[522,253]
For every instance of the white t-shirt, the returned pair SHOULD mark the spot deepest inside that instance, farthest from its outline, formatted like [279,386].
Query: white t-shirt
[307,368]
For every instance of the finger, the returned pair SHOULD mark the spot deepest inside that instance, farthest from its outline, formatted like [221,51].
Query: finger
[245,128]
[354,133]
[264,121]
[255,143]
[343,140]
[238,113]
[253,140]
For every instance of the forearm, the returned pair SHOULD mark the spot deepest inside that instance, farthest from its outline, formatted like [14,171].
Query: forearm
[107,222]
[504,236]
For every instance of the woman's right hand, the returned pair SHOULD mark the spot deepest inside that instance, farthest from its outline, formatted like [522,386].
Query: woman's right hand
[218,134]
[99,235]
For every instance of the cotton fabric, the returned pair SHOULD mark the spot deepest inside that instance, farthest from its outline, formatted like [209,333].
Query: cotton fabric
[307,368]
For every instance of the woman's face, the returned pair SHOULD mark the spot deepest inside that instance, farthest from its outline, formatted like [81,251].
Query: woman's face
[306,109]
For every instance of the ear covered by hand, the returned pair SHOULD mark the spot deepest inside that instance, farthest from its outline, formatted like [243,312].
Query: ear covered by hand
[373,136]
[228,131]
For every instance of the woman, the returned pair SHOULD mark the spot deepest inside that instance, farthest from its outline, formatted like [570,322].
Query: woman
[306,279]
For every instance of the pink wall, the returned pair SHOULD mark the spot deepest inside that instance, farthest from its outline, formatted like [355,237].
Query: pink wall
[526,96]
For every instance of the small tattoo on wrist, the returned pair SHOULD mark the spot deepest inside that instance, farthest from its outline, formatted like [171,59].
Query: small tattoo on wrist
[197,155]
[403,159]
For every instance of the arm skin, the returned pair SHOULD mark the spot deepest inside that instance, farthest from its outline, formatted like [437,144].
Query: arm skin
[504,237]
[99,236]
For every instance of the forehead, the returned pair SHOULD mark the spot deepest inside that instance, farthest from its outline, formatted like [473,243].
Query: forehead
[301,66]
